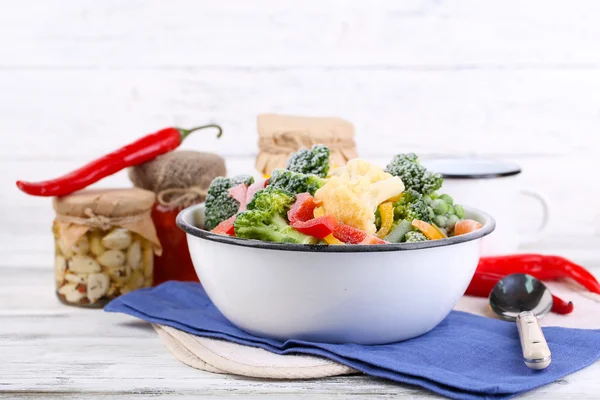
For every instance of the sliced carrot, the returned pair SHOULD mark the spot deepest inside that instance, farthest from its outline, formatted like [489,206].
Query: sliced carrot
[466,226]
[427,229]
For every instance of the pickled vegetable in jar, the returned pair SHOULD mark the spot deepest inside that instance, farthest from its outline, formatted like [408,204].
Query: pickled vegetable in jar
[105,243]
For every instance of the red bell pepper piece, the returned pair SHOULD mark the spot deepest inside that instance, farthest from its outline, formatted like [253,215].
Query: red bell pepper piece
[225,227]
[318,227]
[303,209]
[348,234]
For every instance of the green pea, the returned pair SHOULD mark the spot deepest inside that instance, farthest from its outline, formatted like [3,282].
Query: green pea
[427,199]
[434,195]
[440,221]
[459,211]
[430,212]
[447,198]
[451,209]
[452,220]
[439,206]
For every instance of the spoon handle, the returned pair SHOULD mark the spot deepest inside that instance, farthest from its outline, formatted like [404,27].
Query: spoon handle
[536,353]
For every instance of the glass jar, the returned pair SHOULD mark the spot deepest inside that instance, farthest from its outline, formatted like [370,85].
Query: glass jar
[175,262]
[101,265]
[105,244]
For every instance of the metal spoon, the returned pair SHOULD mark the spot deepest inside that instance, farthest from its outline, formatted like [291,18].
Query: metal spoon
[524,299]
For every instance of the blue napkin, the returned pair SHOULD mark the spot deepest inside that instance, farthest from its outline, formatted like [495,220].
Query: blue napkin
[464,357]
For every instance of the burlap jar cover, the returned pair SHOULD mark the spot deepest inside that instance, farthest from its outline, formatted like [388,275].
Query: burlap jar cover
[282,135]
[105,209]
[180,178]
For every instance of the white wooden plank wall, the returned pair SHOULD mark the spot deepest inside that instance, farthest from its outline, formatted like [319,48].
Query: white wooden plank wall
[512,79]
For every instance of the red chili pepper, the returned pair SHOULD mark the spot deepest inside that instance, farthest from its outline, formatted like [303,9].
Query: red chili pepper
[138,152]
[559,306]
[349,234]
[483,282]
[318,227]
[542,267]
[303,208]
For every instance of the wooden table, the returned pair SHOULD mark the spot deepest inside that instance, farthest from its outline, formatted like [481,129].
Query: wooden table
[48,350]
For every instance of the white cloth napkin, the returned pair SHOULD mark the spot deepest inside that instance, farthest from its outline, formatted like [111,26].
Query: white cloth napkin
[223,357]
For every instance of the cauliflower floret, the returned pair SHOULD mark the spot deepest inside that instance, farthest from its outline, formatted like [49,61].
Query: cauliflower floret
[354,192]
[341,202]
[357,169]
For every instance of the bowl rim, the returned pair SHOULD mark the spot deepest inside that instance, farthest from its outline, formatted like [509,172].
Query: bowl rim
[488,227]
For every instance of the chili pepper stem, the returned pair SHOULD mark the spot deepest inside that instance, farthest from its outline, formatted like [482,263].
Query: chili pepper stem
[186,132]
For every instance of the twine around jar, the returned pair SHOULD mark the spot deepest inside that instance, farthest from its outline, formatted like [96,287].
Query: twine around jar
[101,221]
[181,197]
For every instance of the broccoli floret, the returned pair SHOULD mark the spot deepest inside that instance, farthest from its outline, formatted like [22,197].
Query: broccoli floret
[314,161]
[295,182]
[414,236]
[219,206]
[412,205]
[265,219]
[414,175]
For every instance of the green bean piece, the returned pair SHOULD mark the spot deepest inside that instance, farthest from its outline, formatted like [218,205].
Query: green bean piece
[397,234]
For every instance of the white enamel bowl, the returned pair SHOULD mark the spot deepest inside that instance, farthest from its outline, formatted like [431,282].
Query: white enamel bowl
[337,294]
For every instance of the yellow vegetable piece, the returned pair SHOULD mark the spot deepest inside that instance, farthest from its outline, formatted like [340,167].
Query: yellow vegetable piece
[386,210]
[428,230]
[330,239]
[439,231]
[319,212]
[266,176]
[395,198]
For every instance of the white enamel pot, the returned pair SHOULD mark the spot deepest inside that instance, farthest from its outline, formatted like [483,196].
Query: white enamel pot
[370,294]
